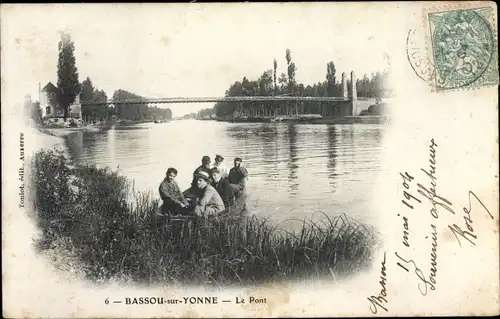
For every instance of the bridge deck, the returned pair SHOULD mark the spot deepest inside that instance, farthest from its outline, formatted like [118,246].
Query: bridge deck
[172,100]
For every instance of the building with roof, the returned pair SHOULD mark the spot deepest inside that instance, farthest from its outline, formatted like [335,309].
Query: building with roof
[49,103]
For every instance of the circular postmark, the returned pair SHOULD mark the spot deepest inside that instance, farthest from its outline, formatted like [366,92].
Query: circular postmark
[463,45]
[418,58]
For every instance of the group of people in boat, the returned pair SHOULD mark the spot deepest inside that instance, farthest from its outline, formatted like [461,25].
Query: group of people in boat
[213,188]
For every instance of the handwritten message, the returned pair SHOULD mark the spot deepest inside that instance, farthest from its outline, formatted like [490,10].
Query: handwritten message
[417,196]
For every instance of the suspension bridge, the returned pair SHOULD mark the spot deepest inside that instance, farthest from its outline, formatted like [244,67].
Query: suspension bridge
[348,104]
[171,100]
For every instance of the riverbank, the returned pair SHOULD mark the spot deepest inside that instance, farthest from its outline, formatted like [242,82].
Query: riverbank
[28,272]
[39,138]
[65,131]
[375,119]
[83,212]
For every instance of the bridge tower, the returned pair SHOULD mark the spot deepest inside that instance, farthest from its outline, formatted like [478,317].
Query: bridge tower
[344,86]
[353,86]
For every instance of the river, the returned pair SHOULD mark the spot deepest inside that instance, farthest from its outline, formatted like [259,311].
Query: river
[294,170]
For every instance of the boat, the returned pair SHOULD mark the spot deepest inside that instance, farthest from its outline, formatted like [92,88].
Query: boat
[91,128]
[160,121]
[233,212]
[302,118]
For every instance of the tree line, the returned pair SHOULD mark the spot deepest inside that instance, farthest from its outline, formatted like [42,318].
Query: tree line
[270,83]
[137,111]
[70,87]
[201,114]
[89,94]
[125,111]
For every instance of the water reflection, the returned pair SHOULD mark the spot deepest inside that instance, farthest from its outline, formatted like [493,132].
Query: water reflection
[294,170]
[292,160]
[332,157]
[75,144]
[81,144]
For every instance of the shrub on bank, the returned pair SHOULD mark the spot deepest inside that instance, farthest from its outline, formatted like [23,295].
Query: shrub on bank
[85,211]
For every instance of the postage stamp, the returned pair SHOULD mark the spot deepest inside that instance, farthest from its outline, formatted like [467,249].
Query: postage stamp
[463,47]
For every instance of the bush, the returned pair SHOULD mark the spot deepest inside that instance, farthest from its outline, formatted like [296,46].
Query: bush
[86,208]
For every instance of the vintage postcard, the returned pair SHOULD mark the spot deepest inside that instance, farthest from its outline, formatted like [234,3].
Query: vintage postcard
[250,160]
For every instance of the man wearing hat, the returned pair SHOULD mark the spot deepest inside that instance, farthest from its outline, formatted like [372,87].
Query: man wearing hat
[219,164]
[237,176]
[210,202]
[204,167]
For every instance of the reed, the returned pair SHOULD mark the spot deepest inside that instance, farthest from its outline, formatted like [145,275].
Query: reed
[86,212]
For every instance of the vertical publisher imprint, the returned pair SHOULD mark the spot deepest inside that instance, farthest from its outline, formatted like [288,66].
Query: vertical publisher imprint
[21,170]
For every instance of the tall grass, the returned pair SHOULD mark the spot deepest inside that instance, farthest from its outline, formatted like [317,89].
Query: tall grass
[84,211]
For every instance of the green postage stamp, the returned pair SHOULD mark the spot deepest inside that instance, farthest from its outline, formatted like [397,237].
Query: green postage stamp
[464,47]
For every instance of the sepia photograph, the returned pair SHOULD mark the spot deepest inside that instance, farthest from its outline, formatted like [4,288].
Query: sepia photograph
[184,156]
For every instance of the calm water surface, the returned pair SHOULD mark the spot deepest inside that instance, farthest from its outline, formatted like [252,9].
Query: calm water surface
[294,170]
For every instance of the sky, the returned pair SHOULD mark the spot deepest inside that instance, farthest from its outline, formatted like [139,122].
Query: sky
[159,50]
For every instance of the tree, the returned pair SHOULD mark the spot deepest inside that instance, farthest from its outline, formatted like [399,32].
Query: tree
[155,113]
[283,81]
[86,95]
[291,77]
[129,111]
[90,94]
[67,74]
[87,90]
[288,56]
[275,67]
[205,113]
[291,71]
[266,83]
[330,78]
[99,96]
[101,110]
[111,111]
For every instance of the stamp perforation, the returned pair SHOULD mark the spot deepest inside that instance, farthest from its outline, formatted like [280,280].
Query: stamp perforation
[428,43]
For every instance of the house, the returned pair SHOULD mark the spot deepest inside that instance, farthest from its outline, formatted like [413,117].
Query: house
[49,103]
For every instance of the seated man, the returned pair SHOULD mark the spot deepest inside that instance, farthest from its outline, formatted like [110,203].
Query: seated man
[210,202]
[173,199]
[219,163]
[237,177]
[222,187]
[205,167]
